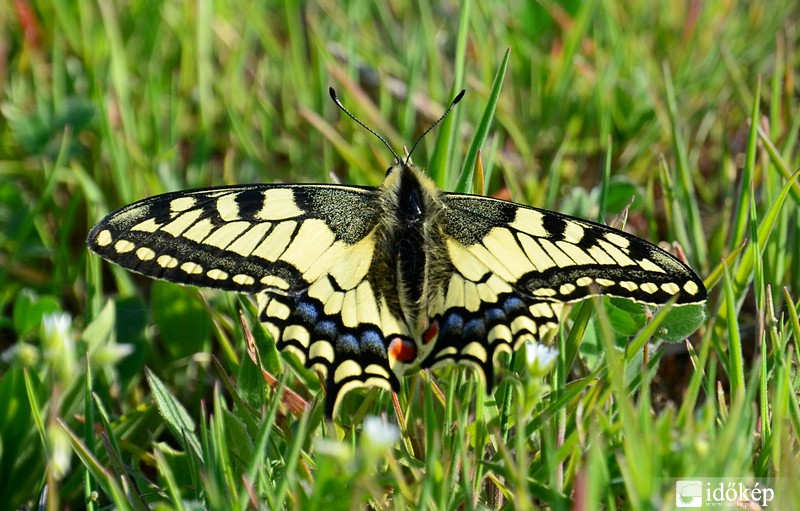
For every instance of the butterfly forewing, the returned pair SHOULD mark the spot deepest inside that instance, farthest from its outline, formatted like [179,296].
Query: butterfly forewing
[306,251]
[553,257]
[245,238]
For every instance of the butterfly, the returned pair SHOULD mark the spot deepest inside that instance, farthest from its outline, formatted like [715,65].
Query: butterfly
[370,284]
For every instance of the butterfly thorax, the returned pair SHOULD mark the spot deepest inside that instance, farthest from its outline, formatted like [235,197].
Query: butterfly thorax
[410,203]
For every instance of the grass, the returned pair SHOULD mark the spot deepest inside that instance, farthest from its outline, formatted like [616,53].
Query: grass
[121,392]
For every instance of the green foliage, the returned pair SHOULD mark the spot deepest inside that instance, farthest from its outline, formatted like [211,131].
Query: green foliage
[120,392]
[182,320]
[22,450]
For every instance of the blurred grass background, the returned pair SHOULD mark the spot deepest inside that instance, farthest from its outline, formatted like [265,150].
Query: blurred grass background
[103,103]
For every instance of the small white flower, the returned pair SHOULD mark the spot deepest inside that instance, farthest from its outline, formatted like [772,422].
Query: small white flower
[21,353]
[379,434]
[540,358]
[55,327]
[59,344]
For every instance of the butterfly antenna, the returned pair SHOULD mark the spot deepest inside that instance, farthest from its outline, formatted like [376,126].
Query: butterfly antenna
[440,119]
[335,99]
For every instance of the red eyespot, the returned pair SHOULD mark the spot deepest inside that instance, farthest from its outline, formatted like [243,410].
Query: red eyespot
[402,350]
[431,333]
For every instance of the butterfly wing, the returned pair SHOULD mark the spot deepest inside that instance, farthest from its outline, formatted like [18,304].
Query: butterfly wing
[514,267]
[243,238]
[305,250]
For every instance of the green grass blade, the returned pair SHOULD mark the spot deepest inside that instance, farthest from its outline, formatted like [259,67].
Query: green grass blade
[735,360]
[744,273]
[104,479]
[695,240]
[740,218]
[464,182]
[440,161]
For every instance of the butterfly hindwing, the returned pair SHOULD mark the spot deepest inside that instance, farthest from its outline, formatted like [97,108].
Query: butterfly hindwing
[473,336]
[348,356]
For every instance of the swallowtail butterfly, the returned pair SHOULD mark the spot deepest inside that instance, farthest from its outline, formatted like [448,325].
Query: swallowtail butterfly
[369,284]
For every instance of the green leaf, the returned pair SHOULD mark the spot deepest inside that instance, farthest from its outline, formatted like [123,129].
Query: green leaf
[22,459]
[131,314]
[77,114]
[31,132]
[104,478]
[177,418]
[30,308]
[183,322]
[625,316]
[682,321]
[620,192]
[174,471]
[270,357]
[101,330]
[250,383]
[240,443]
[41,133]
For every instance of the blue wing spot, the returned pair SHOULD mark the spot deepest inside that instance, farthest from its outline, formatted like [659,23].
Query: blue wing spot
[453,324]
[513,303]
[372,341]
[326,329]
[347,342]
[475,329]
[494,316]
[307,312]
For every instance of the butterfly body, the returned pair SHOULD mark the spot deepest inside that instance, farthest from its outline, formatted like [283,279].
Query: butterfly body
[369,284]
